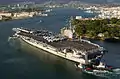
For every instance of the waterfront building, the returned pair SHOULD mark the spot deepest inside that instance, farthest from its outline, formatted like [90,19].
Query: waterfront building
[5,14]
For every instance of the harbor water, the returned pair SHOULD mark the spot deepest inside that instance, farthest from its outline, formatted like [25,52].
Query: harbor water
[19,60]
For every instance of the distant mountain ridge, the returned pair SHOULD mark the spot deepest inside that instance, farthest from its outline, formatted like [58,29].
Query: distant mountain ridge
[63,1]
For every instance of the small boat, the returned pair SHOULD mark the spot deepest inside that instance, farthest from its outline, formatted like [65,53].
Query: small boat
[40,21]
[101,70]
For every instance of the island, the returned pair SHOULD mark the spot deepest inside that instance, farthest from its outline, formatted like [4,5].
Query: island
[97,28]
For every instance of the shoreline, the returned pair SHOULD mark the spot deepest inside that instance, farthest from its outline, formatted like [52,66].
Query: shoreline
[102,39]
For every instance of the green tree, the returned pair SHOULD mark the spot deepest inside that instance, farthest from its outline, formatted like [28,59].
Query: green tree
[113,20]
[79,30]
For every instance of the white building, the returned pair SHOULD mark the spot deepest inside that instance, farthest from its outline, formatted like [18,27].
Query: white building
[0,17]
[100,35]
[23,14]
[78,17]
[6,14]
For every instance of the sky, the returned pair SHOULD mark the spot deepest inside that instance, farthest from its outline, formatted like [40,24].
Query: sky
[88,1]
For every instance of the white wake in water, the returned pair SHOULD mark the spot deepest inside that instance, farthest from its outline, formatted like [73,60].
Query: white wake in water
[107,74]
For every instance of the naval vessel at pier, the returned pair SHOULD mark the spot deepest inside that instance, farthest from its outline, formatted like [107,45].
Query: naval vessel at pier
[67,47]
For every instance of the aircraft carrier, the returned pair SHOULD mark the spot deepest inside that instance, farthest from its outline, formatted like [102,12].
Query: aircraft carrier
[65,46]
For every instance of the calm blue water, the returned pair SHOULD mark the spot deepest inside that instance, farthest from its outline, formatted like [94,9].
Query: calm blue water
[19,60]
